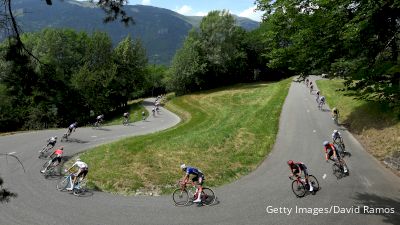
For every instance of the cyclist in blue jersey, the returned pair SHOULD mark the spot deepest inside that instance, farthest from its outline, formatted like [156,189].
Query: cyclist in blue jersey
[198,179]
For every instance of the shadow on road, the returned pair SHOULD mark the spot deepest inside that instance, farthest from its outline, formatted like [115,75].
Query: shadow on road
[102,128]
[76,140]
[377,205]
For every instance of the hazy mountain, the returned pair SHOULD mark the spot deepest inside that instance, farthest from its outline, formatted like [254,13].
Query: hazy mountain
[162,31]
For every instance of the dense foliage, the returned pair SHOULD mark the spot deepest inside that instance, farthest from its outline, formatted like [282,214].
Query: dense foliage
[218,53]
[77,77]
[354,39]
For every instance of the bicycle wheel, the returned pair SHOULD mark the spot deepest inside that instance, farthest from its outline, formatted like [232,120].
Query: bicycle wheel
[180,197]
[207,196]
[314,182]
[298,188]
[345,168]
[63,184]
[45,165]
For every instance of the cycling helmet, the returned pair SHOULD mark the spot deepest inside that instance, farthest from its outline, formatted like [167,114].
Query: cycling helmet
[335,131]
[325,143]
[78,159]
[62,147]
[290,162]
[55,137]
[183,166]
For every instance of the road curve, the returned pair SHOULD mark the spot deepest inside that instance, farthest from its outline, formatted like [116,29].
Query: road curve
[301,132]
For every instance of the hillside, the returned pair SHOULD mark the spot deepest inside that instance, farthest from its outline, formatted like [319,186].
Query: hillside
[162,31]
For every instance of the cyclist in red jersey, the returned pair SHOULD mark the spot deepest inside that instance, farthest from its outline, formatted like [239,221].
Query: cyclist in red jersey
[330,151]
[58,156]
[296,168]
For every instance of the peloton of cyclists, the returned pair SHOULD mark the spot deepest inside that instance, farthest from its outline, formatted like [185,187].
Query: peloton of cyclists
[198,179]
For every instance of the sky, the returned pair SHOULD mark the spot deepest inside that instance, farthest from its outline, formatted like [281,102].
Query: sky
[243,8]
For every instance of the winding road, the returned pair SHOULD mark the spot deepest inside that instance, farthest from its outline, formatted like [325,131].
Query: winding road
[249,200]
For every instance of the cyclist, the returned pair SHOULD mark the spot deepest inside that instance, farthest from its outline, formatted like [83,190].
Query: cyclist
[337,138]
[296,168]
[198,179]
[58,156]
[317,99]
[336,135]
[99,118]
[126,117]
[321,102]
[335,113]
[311,88]
[50,142]
[83,170]
[71,128]
[143,115]
[330,151]
[153,110]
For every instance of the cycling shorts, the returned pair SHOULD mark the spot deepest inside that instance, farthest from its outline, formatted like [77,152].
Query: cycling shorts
[82,172]
[199,178]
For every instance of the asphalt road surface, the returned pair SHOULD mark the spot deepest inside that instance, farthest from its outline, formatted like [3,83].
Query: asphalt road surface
[249,200]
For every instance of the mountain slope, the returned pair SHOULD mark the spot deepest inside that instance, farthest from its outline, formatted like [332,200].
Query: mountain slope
[162,31]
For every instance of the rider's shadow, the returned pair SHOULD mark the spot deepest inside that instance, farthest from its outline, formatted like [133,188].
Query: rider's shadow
[102,128]
[76,140]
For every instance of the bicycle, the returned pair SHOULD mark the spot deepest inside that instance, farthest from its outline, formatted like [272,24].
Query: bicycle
[341,148]
[320,105]
[97,124]
[300,188]
[65,136]
[79,187]
[187,193]
[125,121]
[51,170]
[335,119]
[340,169]
[43,153]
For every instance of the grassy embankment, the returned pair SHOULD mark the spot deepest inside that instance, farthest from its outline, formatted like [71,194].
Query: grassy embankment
[225,132]
[373,124]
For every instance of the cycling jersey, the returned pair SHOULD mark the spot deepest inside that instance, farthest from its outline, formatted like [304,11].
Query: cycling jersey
[193,171]
[336,136]
[58,152]
[329,151]
[80,164]
[297,167]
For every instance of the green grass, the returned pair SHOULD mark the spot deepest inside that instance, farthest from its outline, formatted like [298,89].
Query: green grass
[374,124]
[226,133]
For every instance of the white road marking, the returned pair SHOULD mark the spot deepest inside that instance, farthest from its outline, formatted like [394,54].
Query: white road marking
[314,131]
[11,153]
[324,176]
[93,136]
[366,181]
[308,110]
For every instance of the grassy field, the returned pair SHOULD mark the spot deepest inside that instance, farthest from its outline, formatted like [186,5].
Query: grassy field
[225,132]
[374,124]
